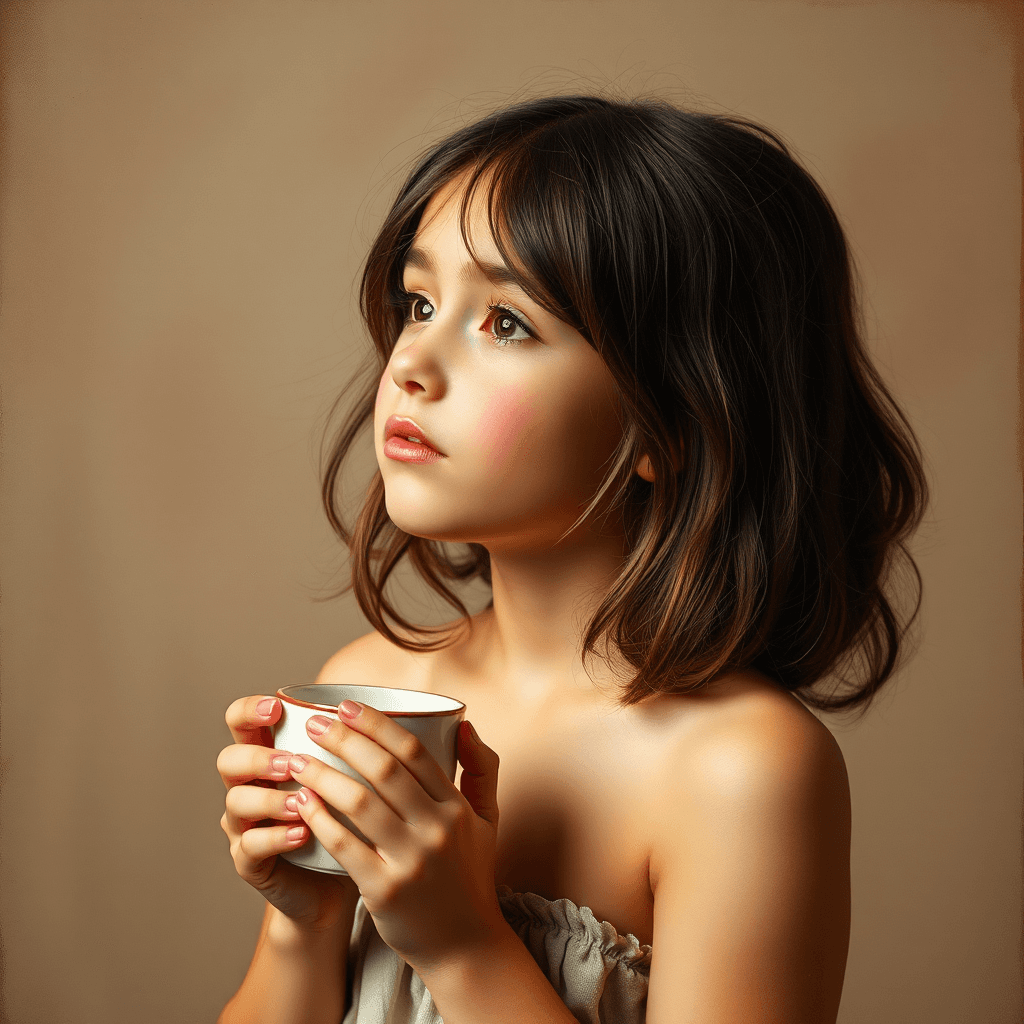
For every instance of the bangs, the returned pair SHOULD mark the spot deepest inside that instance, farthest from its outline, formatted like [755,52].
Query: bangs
[538,224]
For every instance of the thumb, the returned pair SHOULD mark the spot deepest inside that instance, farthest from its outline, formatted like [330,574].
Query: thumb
[479,781]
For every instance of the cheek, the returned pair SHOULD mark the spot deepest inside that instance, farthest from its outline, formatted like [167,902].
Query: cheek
[381,386]
[505,428]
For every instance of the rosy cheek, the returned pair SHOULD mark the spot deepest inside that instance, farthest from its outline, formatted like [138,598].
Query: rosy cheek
[503,429]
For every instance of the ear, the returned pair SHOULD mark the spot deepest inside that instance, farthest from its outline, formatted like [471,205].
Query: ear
[644,469]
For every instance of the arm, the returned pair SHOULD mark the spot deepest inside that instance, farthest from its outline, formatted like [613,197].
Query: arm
[500,984]
[297,976]
[750,874]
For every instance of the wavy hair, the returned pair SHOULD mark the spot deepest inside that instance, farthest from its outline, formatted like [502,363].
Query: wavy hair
[712,275]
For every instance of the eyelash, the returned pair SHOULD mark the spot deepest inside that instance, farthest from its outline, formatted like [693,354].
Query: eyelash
[406,301]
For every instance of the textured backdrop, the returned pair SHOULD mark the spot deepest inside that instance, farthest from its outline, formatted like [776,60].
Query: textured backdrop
[187,191]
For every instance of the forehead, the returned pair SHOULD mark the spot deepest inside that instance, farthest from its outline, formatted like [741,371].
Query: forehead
[442,214]
[439,237]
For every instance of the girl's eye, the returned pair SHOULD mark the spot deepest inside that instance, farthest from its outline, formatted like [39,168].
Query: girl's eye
[420,310]
[505,327]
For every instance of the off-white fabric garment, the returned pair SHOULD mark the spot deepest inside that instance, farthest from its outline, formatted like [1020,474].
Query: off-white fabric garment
[601,976]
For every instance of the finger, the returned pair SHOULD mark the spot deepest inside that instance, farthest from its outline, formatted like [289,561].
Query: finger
[256,845]
[479,781]
[379,822]
[389,777]
[244,762]
[363,863]
[250,719]
[247,805]
[401,744]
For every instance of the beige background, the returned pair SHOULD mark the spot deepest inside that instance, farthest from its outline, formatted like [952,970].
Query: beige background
[187,191]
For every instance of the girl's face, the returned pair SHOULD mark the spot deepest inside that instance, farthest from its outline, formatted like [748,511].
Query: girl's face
[520,406]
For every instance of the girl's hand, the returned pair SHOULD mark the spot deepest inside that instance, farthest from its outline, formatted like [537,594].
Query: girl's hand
[428,883]
[260,824]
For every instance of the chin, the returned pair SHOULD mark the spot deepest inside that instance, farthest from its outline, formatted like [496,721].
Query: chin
[419,521]
[416,507]
[446,525]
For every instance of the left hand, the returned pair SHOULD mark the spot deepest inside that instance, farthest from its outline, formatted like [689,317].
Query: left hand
[429,884]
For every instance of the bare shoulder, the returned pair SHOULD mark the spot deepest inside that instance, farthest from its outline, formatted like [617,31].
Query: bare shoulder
[753,734]
[373,660]
[750,865]
[753,755]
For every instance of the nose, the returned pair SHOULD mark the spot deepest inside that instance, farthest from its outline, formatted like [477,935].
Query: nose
[415,368]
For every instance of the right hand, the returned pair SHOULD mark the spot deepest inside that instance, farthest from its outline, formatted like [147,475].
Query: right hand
[257,823]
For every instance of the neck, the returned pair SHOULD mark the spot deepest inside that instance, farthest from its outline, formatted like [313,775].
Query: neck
[543,602]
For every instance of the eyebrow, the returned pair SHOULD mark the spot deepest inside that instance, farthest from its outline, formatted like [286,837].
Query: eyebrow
[496,273]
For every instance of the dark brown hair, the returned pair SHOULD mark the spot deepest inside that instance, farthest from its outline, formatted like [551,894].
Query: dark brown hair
[710,272]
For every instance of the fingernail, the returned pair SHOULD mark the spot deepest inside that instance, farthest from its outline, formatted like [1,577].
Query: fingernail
[280,763]
[297,763]
[266,707]
[294,834]
[473,733]
[316,725]
[350,709]
[290,803]
[301,796]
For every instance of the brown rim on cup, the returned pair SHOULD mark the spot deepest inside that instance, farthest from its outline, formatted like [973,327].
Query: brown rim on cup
[333,708]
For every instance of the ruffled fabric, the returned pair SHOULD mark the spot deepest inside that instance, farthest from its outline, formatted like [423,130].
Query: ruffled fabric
[600,975]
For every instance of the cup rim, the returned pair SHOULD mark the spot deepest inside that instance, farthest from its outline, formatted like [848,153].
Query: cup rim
[333,708]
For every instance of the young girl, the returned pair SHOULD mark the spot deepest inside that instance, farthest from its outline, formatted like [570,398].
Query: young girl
[618,361]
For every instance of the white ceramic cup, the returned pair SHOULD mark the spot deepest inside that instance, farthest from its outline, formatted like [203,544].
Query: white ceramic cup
[431,717]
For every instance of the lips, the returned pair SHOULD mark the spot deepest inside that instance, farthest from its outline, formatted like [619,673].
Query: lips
[406,442]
